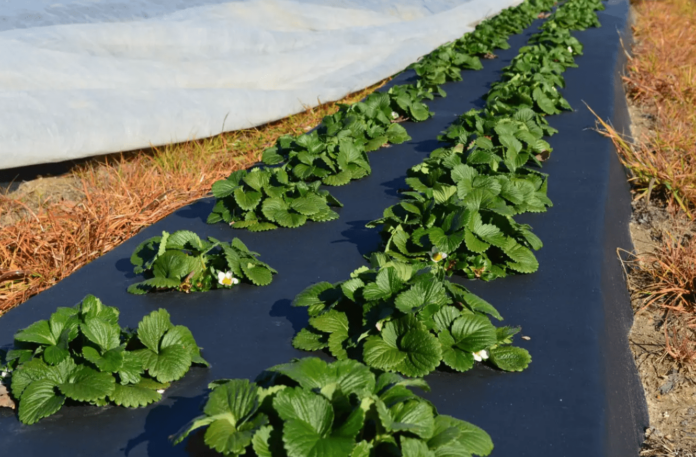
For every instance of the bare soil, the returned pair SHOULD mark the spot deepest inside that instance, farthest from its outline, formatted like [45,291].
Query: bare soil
[670,389]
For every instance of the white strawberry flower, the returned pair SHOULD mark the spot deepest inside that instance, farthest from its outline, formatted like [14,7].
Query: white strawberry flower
[226,279]
[437,256]
[481,355]
[395,115]
[570,49]
[378,326]
[3,374]
[160,391]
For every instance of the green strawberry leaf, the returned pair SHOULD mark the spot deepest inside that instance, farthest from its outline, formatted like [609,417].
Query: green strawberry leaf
[307,340]
[227,439]
[473,333]
[101,333]
[38,332]
[412,447]
[224,188]
[471,439]
[86,384]
[257,274]
[510,358]
[53,355]
[380,354]
[261,441]
[386,284]
[247,200]
[308,418]
[39,400]
[131,369]
[134,395]
[414,416]
[408,341]
[153,327]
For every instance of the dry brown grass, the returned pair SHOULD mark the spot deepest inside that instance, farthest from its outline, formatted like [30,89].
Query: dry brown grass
[661,79]
[668,278]
[661,82]
[120,195]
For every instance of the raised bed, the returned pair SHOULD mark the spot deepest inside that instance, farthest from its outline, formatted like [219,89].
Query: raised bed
[579,397]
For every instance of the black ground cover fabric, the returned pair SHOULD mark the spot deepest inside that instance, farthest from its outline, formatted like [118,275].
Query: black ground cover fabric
[580,396]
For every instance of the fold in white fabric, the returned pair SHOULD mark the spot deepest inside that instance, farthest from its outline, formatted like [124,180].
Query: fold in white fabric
[98,76]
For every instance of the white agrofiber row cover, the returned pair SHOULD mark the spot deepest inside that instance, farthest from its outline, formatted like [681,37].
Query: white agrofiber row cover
[85,77]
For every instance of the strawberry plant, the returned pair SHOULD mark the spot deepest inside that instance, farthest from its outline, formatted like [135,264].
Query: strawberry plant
[310,408]
[510,130]
[310,157]
[537,92]
[261,200]
[361,127]
[286,193]
[371,124]
[183,261]
[444,175]
[408,102]
[82,355]
[367,124]
[401,319]
[489,140]
[476,232]
[529,88]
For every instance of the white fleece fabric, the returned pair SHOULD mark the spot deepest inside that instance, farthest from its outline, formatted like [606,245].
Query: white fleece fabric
[89,77]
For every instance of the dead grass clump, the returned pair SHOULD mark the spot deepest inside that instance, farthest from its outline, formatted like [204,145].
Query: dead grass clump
[668,280]
[44,237]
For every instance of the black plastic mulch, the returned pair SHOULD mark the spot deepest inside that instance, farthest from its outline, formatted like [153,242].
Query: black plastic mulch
[581,395]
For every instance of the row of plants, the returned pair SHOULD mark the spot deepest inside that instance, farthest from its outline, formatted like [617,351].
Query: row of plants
[403,315]
[400,315]
[283,191]
[462,199]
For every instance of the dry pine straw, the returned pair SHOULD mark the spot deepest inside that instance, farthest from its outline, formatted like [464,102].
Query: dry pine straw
[49,228]
[661,86]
